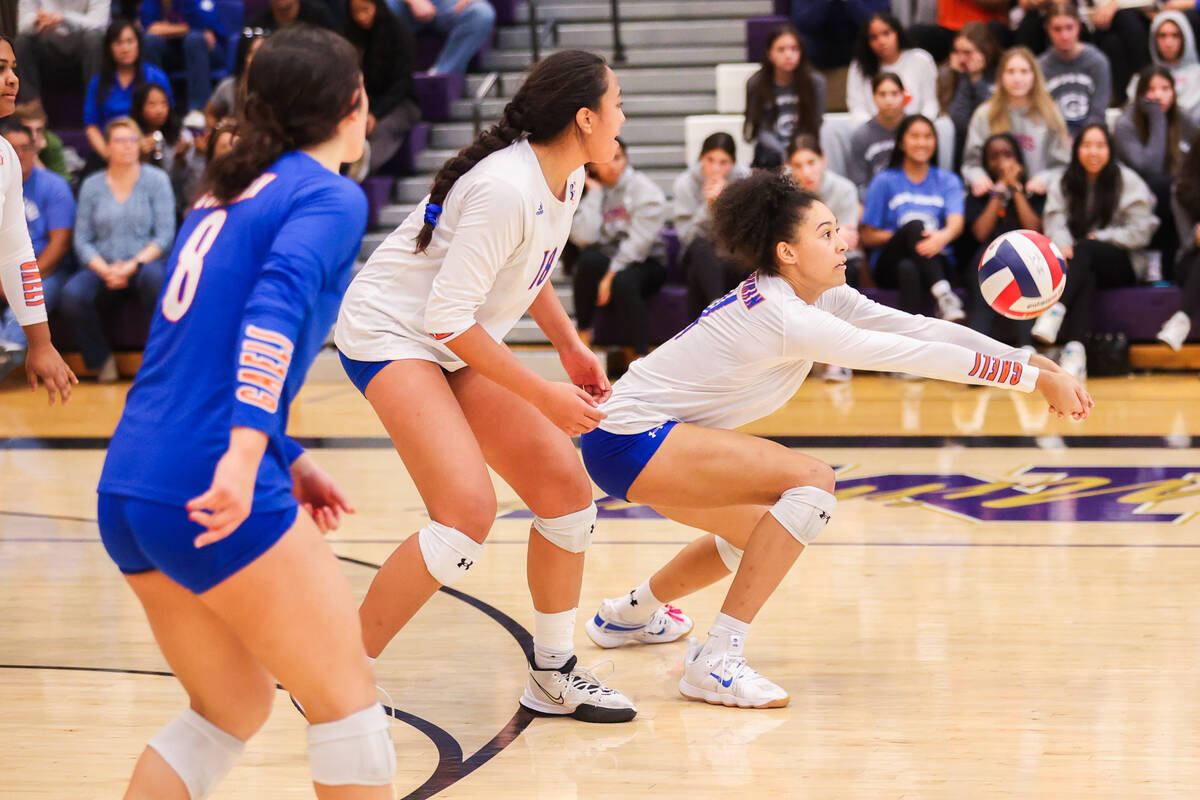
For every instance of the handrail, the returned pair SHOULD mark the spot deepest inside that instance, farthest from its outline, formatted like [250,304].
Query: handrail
[618,45]
[492,79]
[539,32]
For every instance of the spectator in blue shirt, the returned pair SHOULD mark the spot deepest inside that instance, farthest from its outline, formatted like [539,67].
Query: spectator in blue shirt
[110,94]
[912,213]
[466,25]
[186,33]
[50,215]
[124,230]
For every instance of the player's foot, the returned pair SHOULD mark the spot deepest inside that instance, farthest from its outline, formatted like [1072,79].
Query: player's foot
[837,374]
[108,371]
[1045,327]
[1175,330]
[1074,360]
[950,308]
[607,629]
[573,691]
[725,679]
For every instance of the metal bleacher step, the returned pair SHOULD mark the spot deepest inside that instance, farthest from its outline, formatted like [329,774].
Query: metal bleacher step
[632,10]
[591,35]
[636,131]
[673,103]
[633,80]
[664,55]
[645,156]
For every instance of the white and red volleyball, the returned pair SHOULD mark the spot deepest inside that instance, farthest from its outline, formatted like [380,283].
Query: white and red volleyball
[1022,274]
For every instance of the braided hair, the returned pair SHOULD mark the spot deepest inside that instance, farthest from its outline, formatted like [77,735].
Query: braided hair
[545,105]
[287,100]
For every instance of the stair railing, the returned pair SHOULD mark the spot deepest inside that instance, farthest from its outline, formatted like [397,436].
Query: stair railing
[490,81]
[618,45]
[540,31]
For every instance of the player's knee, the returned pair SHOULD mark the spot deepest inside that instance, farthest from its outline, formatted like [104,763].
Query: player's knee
[811,472]
[571,532]
[245,708]
[199,752]
[731,556]
[448,553]
[472,512]
[804,511]
[353,751]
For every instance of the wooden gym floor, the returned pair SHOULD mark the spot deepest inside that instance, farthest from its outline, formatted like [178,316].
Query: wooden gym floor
[1004,606]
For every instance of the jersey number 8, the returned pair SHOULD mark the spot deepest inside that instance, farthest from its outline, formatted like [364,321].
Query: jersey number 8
[180,292]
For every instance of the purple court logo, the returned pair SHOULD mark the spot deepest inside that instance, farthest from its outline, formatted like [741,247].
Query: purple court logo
[1036,494]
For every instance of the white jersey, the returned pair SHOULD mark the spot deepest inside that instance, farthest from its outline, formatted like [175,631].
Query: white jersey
[19,273]
[495,246]
[748,353]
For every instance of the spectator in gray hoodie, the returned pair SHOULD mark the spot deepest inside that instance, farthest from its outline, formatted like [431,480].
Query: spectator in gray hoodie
[871,144]
[623,258]
[708,275]
[1173,45]
[1100,214]
[1078,75]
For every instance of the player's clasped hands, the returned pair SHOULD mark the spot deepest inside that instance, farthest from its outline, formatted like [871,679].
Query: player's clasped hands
[1065,394]
[570,408]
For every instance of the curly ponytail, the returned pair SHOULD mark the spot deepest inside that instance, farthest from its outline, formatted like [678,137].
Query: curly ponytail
[553,92]
[751,216]
[284,103]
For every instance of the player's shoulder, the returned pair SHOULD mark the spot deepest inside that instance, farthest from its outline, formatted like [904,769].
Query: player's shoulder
[302,180]
[9,165]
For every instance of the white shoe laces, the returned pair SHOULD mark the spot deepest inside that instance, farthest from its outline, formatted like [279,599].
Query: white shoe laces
[588,678]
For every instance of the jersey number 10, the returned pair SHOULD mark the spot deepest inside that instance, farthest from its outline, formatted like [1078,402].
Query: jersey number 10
[180,292]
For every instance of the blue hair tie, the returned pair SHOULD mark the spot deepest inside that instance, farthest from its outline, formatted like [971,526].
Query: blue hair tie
[432,212]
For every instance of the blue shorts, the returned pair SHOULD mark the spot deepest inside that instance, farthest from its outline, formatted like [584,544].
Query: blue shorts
[361,372]
[141,535]
[615,460]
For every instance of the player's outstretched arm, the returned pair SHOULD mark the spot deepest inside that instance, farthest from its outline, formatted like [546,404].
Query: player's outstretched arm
[1066,395]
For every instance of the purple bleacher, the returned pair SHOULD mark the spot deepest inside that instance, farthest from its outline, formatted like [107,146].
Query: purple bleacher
[76,138]
[506,11]
[64,107]
[783,8]
[378,189]
[757,31]
[668,308]
[405,161]
[437,93]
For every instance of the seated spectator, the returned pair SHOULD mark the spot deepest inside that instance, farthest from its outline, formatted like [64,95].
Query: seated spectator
[1173,46]
[952,15]
[187,34]
[221,102]
[281,12]
[1151,138]
[123,233]
[50,151]
[965,82]
[1121,36]
[871,144]
[50,215]
[913,212]
[466,24]
[1187,268]
[59,43]
[1101,216]
[807,165]
[883,46]
[166,144]
[1005,208]
[1030,32]
[828,28]
[122,71]
[1020,106]
[1077,74]
[784,98]
[708,275]
[623,257]
[386,48]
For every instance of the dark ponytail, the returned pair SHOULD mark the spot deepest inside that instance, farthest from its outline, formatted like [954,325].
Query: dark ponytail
[545,105]
[288,100]
[751,216]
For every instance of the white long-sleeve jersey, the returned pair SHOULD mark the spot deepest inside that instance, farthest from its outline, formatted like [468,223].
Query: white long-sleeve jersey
[19,273]
[498,239]
[748,353]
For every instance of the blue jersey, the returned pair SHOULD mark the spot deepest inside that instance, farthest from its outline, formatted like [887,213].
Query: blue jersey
[893,201]
[251,291]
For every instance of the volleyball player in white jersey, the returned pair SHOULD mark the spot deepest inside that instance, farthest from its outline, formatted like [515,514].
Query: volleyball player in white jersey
[666,441]
[19,276]
[421,335]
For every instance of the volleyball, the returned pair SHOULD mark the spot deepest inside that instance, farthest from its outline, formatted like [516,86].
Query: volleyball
[1021,274]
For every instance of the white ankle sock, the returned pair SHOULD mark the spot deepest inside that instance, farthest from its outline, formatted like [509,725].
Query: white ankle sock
[639,605]
[727,634]
[940,288]
[553,638]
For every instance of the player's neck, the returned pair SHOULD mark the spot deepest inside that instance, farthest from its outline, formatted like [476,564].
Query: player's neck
[558,160]
[803,289]
[328,154]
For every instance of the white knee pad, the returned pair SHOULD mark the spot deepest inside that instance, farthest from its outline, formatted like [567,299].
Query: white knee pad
[352,751]
[729,554]
[804,511]
[571,532]
[200,753]
[448,552]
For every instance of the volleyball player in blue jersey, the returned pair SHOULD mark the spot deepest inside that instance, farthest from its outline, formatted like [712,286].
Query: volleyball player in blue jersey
[201,487]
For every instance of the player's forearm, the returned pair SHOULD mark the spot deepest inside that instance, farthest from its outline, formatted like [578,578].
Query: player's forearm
[497,363]
[547,311]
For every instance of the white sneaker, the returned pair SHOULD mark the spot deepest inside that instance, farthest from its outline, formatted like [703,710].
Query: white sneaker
[1175,330]
[1073,360]
[950,308]
[724,679]
[606,629]
[194,119]
[108,371]
[1045,327]
[837,374]
[574,691]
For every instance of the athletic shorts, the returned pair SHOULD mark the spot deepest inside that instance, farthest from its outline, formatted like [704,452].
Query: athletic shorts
[615,460]
[361,372]
[141,535]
